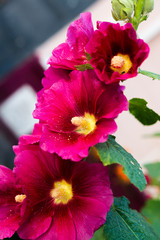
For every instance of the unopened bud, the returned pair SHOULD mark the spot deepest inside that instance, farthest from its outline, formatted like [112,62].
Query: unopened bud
[148,6]
[122,9]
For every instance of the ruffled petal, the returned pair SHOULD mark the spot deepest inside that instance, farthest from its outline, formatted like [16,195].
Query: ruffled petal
[114,100]
[35,225]
[8,189]
[38,163]
[93,198]
[88,216]
[9,220]
[9,209]
[53,75]
[64,144]
[62,227]
[71,53]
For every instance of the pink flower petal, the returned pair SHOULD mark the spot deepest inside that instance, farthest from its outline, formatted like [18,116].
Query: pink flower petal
[71,53]
[9,220]
[62,227]
[9,209]
[34,226]
[88,217]
[53,75]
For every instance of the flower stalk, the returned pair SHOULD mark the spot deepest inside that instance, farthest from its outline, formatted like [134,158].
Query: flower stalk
[149,74]
[137,14]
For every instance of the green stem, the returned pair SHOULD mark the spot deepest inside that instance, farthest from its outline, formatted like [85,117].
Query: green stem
[149,74]
[137,14]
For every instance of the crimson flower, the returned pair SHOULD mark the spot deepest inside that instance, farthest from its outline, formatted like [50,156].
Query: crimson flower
[72,53]
[64,200]
[11,198]
[115,51]
[121,186]
[77,114]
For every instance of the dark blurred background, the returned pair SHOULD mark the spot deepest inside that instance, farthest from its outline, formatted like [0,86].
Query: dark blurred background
[24,25]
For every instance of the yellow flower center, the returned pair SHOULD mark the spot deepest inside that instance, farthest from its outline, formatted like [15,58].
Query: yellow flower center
[121,63]
[20,197]
[86,124]
[61,192]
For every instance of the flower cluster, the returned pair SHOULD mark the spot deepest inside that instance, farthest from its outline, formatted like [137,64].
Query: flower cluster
[52,193]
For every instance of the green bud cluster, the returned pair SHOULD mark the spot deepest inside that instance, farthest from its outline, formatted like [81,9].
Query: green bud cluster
[148,6]
[122,9]
[134,11]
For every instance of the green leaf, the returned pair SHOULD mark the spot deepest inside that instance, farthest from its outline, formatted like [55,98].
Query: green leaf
[149,74]
[138,108]
[111,152]
[157,134]
[83,67]
[154,172]
[99,235]
[123,223]
[143,18]
[153,169]
[152,212]
[88,56]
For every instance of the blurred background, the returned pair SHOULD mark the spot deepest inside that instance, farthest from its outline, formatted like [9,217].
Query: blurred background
[29,30]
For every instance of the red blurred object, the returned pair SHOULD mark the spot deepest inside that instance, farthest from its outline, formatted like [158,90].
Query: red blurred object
[29,72]
[121,186]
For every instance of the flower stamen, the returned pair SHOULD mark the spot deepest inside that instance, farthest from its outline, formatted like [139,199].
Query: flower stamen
[117,62]
[20,197]
[62,192]
[121,63]
[85,124]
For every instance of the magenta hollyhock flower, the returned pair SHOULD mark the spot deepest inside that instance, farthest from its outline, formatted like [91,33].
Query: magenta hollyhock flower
[115,51]
[64,200]
[11,199]
[71,53]
[78,114]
